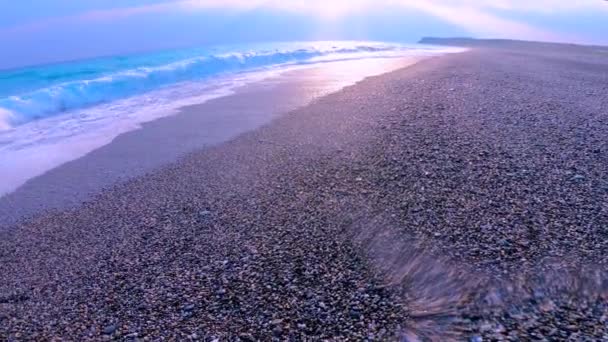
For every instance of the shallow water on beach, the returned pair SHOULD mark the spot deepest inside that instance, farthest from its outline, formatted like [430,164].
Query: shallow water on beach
[162,141]
[50,115]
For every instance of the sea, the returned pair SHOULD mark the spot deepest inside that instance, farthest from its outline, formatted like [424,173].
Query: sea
[51,114]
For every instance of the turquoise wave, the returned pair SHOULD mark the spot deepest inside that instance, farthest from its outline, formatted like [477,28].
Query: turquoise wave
[38,92]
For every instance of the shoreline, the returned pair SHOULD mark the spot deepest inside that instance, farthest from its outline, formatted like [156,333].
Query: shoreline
[131,154]
[458,198]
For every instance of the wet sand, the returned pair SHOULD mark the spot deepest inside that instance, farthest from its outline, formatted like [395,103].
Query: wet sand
[163,141]
[462,198]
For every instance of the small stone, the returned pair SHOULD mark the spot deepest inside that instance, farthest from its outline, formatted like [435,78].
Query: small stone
[573,327]
[539,294]
[246,337]
[110,329]
[204,213]
[547,306]
[476,339]
[485,327]
[578,178]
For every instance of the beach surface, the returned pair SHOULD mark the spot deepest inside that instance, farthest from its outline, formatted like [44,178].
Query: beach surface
[461,198]
[167,139]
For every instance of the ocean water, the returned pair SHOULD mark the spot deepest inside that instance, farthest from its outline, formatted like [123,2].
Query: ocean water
[51,114]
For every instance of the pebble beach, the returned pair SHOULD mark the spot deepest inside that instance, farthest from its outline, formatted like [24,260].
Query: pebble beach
[462,198]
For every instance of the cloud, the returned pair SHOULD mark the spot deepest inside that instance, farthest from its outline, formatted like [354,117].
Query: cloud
[536,6]
[348,6]
[95,15]
[479,17]
[483,23]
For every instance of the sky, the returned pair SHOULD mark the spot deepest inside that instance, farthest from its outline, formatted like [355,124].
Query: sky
[44,31]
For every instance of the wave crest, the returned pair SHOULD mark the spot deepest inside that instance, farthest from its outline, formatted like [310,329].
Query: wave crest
[82,93]
[5,118]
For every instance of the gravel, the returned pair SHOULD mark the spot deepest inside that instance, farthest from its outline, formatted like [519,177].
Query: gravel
[462,198]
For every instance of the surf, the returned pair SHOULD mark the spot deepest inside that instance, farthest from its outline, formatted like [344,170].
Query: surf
[62,88]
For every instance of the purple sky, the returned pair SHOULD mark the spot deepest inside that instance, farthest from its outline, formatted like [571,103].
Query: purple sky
[40,31]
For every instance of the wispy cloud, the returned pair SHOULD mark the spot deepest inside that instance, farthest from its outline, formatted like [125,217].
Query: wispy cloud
[349,6]
[480,21]
[536,6]
[96,15]
[353,5]
[479,17]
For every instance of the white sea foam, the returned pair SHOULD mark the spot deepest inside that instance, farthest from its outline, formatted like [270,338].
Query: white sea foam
[31,149]
[32,143]
[5,117]
[76,92]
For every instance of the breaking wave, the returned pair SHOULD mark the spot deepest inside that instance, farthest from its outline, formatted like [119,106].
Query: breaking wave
[60,88]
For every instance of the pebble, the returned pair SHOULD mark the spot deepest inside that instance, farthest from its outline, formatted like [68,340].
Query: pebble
[277,331]
[578,178]
[355,314]
[291,238]
[110,329]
